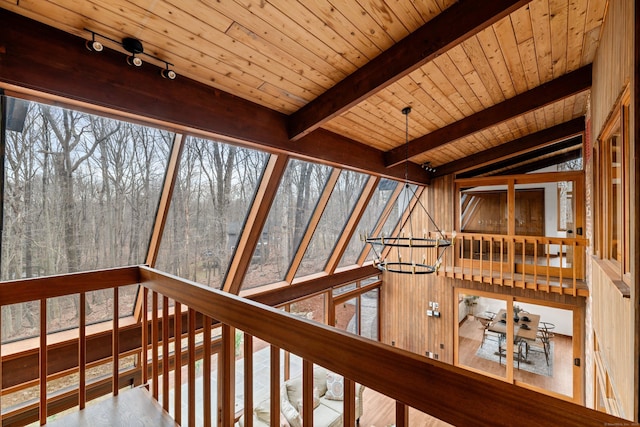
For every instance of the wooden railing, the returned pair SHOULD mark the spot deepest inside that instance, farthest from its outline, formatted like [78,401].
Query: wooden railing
[449,393]
[548,264]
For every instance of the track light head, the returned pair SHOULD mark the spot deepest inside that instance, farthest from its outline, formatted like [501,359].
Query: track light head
[168,74]
[94,45]
[134,60]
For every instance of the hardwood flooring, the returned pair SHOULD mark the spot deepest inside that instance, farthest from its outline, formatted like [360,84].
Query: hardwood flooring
[470,336]
[379,411]
[134,407]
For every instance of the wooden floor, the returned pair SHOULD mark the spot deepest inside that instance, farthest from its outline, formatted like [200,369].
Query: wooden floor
[470,336]
[131,408]
[379,411]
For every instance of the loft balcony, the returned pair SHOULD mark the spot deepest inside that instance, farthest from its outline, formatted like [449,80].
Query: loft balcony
[217,389]
[544,264]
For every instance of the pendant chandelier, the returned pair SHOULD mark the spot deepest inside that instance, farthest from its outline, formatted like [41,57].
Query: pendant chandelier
[422,252]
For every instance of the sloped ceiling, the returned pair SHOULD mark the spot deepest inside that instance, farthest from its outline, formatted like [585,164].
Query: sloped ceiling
[478,75]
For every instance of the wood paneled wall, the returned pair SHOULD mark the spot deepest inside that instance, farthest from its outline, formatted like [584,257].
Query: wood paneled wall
[614,328]
[614,319]
[405,297]
[613,64]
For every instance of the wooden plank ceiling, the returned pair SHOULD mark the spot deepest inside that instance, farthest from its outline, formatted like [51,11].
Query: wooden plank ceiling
[349,67]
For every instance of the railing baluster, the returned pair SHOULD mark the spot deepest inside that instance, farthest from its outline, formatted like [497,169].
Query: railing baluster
[548,244]
[165,353]
[177,372]
[191,337]
[206,370]
[248,379]
[274,385]
[144,357]
[491,260]
[43,361]
[524,263]
[349,408]
[561,267]
[227,376]
[402,415]
[535,263]
[115,348]
[574,251]
[307,394]
[82,351]
[154,343]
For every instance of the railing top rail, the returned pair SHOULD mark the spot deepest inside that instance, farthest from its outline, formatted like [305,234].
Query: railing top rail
[447,392]
[33,289]
[581,241]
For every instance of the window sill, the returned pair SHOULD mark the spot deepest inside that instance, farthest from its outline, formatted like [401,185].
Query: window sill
[613,274]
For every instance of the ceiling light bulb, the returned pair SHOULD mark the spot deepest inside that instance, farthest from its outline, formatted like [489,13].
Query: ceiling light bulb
[134,60]
[168,74]
[94,46]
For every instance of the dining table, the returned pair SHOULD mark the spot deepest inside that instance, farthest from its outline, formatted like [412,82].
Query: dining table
[525,328]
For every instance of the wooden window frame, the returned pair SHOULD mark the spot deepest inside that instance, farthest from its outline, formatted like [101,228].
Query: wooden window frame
[617,126]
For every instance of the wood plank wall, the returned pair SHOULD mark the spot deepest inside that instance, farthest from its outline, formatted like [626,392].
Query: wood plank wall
[613,319]
[405,298]
[613,64]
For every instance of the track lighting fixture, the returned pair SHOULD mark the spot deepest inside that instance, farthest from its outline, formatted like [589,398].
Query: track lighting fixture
[427,167]
[94,45]
[134,60]
[168,74]
[135,48]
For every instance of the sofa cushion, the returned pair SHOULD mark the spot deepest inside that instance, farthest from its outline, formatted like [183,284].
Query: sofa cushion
[325,416]
[335,386]
[320,379]
[336,405]
[263,413]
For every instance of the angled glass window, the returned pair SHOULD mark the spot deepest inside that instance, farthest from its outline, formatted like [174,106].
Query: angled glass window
[81,193]
[392,219]
[343,198]
[295,201]
[368,221]
[215,186]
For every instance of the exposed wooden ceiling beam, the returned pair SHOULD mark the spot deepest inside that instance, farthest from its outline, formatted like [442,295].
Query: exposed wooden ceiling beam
[545,94]
[511,148]
[40,58]
[524,158]
[455,24]
[543,163]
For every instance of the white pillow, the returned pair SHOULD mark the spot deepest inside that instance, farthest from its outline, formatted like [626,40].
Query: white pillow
[290,413]
[335,386]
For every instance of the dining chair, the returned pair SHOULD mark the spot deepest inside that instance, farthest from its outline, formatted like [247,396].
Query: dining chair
[519,346]
[485,321]
[544,335]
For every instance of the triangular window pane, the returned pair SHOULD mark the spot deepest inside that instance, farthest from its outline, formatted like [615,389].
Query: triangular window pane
[298,194]
[343,198]
[395,214]
[368,221]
